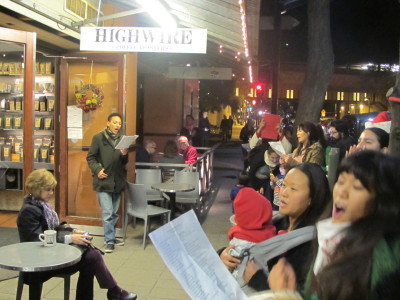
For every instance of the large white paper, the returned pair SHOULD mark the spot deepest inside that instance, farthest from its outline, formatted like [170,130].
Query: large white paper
[187,252]
[277,147]
[126,141]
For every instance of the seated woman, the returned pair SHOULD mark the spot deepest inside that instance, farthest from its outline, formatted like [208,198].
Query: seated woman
[311,146]
[37,215]
[171,156]
[373,138]
[358,247]
[304,195]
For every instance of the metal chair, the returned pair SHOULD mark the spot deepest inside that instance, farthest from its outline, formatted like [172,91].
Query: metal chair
[35,289]
[149,177]
[138,207]
[192,178]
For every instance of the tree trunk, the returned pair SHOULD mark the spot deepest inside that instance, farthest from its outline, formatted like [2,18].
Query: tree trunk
[394,140]
[320,62]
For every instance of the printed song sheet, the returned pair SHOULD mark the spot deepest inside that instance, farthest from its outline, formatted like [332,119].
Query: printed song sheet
[277,147]
[126,141]
[187,252]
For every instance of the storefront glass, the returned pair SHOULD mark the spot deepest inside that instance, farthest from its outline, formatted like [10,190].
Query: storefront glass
[92,96]
[11,124]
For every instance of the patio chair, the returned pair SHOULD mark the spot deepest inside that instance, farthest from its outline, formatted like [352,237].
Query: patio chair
[149,177]
[138,207]
[35,287]
[193,197]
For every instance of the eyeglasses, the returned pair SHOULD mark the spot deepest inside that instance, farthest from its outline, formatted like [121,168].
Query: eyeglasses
[333,132]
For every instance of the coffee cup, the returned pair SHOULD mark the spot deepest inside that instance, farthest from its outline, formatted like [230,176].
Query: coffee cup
[49,238]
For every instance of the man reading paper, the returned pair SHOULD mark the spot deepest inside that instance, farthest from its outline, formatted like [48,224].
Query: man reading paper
[109,175]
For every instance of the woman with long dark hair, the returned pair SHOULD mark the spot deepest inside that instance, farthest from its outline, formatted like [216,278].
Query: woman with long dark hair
[304,196]
[311,146]
[372,138]
[359,246]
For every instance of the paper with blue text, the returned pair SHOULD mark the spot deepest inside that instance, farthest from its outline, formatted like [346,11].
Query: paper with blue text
[187,252]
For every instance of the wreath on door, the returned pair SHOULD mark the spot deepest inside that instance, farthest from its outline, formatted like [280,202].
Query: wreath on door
[89,97]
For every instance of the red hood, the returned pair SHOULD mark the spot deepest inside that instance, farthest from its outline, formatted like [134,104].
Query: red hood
[253,216]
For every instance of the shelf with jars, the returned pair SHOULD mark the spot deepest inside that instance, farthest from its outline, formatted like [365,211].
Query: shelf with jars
[12,121]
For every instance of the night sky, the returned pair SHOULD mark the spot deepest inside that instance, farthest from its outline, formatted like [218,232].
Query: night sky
[362,31]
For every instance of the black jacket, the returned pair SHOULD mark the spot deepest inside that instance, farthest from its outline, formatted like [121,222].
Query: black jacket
[31,222]
[103,155]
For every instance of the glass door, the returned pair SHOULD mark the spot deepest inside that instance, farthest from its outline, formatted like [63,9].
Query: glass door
[93,91]
[16,114]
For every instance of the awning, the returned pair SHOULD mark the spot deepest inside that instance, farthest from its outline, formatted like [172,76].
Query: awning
[223,20]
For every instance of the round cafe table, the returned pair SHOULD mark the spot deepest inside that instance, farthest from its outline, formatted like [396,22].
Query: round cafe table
[170,188]
[34,257]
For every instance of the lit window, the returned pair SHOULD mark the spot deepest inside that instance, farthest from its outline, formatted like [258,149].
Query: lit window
[269,93]
[340,96]
[289,94]
[356,96]
[326,95]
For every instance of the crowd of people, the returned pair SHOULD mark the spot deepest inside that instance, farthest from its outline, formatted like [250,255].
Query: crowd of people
[354,254]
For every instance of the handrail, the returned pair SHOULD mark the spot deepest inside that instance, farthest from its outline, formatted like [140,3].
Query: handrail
[203,165]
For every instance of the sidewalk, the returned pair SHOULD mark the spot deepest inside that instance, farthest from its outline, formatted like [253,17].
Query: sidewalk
[143,271]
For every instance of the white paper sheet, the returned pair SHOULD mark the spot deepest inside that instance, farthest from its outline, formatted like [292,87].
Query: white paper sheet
[75,133]
[126,141]
[74,116]
[277,147]
[187,252]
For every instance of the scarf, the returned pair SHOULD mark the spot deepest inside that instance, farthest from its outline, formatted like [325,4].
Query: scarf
[111,137]
[269,162]
[329,236]
[49,214]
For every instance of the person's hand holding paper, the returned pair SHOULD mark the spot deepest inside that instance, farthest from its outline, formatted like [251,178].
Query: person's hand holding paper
[271,123]
[125,142]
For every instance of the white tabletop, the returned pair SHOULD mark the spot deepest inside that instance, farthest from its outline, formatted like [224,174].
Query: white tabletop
[34,257]
[172,187]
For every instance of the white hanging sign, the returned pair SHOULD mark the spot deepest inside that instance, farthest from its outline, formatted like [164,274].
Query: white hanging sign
[144,39]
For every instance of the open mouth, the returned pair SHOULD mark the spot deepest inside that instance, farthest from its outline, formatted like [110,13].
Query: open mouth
[338,211]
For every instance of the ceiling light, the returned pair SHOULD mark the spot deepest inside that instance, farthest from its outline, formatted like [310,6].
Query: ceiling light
[158,12]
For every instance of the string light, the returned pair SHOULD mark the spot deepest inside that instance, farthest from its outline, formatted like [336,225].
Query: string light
[251,74]
[244,34]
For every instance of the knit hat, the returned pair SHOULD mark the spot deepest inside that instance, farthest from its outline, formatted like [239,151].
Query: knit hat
[393,94]
[253,217]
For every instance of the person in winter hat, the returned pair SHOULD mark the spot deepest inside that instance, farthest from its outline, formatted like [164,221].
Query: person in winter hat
[253,217]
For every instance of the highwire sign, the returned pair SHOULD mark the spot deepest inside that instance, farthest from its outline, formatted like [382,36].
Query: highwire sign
[144,39]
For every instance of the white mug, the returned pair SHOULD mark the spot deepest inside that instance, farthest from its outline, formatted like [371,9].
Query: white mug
[49,238]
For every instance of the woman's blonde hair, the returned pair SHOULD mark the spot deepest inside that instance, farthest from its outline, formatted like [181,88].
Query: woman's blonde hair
[38,181]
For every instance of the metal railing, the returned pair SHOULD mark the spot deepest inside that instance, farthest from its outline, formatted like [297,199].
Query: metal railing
[203,165]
